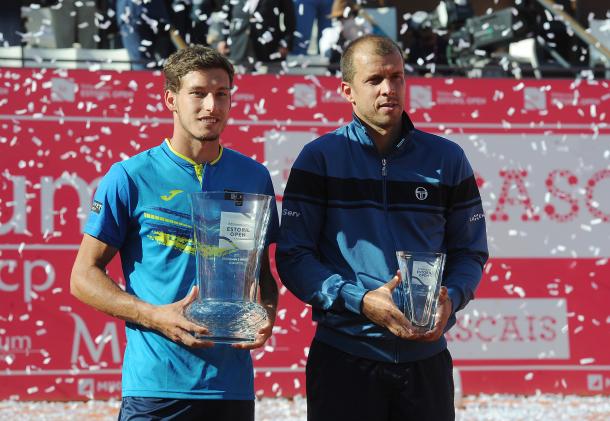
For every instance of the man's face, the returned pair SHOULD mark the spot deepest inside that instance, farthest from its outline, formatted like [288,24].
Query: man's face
[377,91]
[202,104]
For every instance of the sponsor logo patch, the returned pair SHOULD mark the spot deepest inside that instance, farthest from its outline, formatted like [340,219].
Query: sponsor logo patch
[96,207]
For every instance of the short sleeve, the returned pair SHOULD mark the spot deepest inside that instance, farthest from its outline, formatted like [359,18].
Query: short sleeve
[110,211]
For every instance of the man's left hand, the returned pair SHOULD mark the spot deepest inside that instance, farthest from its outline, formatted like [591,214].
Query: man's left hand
[263,334]
[443,312]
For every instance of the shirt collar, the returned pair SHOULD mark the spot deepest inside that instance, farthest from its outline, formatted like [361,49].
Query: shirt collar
[185,160]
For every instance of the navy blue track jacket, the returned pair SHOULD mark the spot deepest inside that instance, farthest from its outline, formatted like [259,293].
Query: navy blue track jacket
[347,210]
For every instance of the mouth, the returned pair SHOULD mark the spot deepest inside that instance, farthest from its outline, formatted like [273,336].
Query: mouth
[389,105]
[208,120]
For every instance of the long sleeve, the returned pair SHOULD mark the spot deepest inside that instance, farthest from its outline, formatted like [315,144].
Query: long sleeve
[297,254]
[466,238]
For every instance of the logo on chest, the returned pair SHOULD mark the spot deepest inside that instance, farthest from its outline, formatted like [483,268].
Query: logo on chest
[171,195]
[421,193]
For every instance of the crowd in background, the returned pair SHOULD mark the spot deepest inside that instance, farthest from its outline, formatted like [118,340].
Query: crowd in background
[249,32]
[252,33]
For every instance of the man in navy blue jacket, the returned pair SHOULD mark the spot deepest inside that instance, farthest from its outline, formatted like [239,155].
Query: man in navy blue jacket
[350,203]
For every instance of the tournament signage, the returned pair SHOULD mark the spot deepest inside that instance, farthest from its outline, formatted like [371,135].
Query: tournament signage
[540,150]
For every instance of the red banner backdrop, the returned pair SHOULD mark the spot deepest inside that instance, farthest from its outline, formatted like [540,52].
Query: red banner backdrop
[541,150]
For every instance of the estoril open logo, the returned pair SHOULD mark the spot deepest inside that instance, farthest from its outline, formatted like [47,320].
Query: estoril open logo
[421,193]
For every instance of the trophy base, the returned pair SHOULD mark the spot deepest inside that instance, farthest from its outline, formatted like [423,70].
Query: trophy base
[228,322]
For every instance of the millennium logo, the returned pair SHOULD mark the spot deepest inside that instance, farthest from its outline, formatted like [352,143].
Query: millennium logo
[421,193]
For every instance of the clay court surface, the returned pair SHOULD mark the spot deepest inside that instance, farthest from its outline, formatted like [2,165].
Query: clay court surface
[473,408]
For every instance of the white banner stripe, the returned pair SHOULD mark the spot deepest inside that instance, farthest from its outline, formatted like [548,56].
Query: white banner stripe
[312,123]
[32,247]
[14,373]
[532,367]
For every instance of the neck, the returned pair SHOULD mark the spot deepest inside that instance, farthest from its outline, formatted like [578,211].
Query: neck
[384,138]
[198,151]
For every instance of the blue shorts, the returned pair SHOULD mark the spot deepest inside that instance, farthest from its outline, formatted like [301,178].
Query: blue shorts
[141,409]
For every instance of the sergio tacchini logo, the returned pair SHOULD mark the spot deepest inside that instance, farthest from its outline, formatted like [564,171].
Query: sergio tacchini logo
[171,195]
[421,193]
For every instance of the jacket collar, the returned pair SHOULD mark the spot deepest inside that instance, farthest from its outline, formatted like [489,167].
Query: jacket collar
[363,137]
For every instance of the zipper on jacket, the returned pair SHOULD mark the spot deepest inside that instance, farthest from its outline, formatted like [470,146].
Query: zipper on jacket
[384,176]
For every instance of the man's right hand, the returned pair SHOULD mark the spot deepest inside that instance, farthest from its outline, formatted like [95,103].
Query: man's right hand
[170,321]
[379,307]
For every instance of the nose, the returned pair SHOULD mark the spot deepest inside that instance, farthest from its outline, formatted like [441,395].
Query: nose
[387,87]
[209,102]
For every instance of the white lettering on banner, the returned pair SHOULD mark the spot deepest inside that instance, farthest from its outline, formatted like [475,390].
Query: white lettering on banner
[15,344]
[29,266]
[421,96]
[510,329]
[95,348]
[108,386]
[102,93]
[18,223]
[530,185]
[332,96]
[89,386]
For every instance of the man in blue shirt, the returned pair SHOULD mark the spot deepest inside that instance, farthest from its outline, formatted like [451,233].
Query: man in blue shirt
[354,197]
[141,210]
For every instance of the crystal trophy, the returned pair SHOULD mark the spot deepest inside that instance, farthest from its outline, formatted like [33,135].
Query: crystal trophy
[422,274]
[229,231]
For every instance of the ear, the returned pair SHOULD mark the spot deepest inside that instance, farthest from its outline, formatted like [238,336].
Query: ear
[170,100]
[346,90]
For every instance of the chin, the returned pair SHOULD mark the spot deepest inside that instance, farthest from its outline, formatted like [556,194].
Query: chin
[208,138]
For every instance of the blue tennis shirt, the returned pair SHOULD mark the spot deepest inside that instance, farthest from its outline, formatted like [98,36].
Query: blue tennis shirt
[141,207]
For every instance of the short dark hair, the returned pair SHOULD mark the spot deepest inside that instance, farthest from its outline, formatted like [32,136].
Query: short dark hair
[196,57]
[382,46]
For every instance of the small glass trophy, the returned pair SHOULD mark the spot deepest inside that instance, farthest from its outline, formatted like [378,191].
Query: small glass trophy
[229,236]
[422,274]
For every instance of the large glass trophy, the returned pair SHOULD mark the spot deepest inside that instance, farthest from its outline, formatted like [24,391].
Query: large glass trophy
[229,236]
[422,274]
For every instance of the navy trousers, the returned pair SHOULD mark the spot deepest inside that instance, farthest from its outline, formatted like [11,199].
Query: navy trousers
[341,386]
